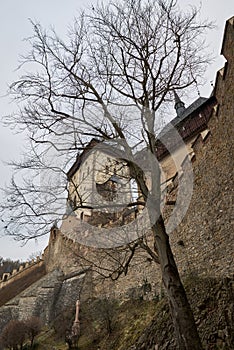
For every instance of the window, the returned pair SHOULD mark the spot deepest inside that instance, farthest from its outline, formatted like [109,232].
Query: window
[75,202]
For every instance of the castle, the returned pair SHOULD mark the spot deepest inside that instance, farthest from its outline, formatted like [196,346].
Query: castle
[202,243]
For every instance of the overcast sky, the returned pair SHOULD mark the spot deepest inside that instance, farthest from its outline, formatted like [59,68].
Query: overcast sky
[15,26]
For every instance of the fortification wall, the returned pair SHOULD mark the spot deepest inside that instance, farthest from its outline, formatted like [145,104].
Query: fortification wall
[60,253]
[207,229]
[70,257]
[49,297]
[14,283]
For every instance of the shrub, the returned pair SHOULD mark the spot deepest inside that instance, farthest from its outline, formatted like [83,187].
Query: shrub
[14,334]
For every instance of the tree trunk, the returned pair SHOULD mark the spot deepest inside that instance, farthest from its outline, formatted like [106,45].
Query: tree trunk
[182,316]
[32,340]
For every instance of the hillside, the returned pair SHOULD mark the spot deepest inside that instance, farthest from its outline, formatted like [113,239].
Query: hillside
[142,325]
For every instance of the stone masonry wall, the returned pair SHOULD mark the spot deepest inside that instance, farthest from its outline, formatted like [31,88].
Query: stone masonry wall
[71,257]
[47,298]
[207,229]
[20,280]
[60,253]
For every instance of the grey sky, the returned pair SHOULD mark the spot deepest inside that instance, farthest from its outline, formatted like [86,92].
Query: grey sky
[15,26]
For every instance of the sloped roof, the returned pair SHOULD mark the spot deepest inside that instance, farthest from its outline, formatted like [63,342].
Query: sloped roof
[189,110]
[195,106]
[81,157]
[101,146]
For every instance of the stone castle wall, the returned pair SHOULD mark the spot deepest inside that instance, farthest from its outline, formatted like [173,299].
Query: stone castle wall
[48,297]
[70,257]
[20,279]
[207,229]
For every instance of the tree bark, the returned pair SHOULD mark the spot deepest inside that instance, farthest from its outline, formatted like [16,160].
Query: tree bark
[182,316]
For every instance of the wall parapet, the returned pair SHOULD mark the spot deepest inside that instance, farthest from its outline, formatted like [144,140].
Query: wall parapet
[9,276]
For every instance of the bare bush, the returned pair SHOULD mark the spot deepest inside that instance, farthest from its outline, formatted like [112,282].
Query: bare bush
[14,335]
[33,328]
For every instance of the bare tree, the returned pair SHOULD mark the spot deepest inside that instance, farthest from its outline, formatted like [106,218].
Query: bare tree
[14,334]
[105,311]
[33,328]
[111,80]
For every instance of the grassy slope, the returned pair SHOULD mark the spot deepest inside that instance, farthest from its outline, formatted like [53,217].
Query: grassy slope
[140,325]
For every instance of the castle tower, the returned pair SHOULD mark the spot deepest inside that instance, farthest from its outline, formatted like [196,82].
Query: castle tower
[97,179]
[179,105]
